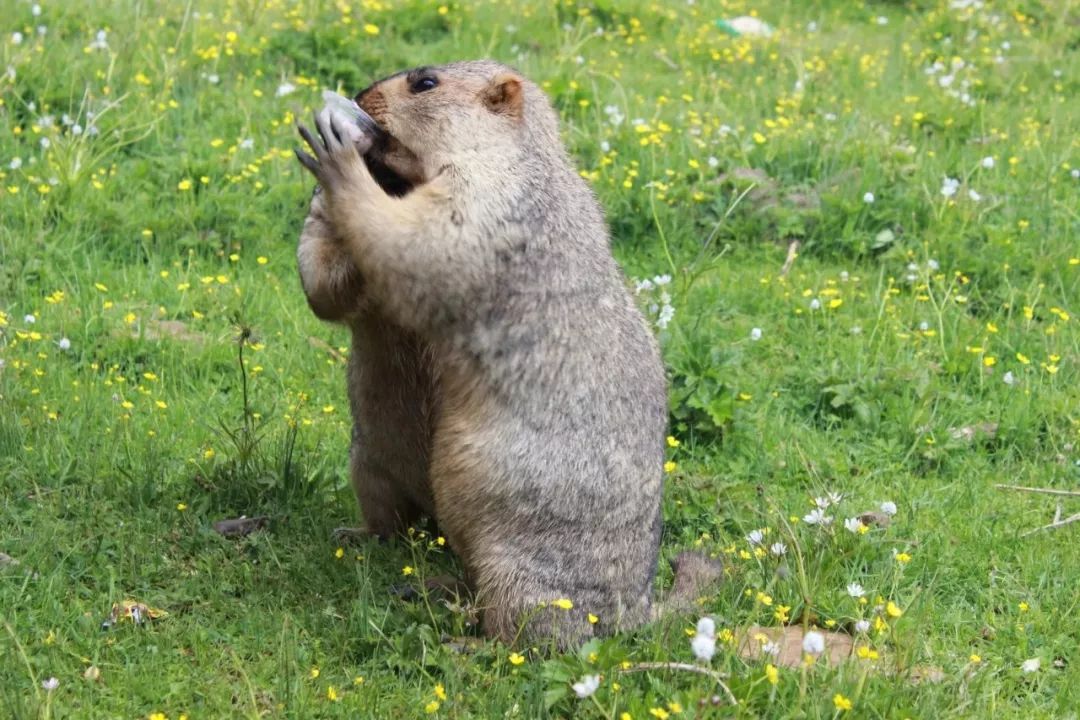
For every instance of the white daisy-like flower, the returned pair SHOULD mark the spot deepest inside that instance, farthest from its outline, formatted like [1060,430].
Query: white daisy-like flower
[949,186]
[1031,665]
[817,516]
[888,507]
[16,38]
[973,195]
[586,686]
[856,590]
[755,333]
[15,164]
[868,198]
[64,344]
[771,648]
[1008,378]
[50,684]
[29,319]
[988,162]
[703,643]
[815,304]
[853,525]
[778,549]
[862,626]
[755,537]
[285,88]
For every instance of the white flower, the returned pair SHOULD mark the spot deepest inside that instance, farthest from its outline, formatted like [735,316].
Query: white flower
[1031,665]
[755,537]
[213,78]
[713,162]
[855,590]
[16,38]
[988,162]
[888,507]
[605,146]
[50,684]
[853,525]
[45,142]
[704,641]
[882,20]
[924,326]
[35,10]
[755,333]
[641,286]
[813,643]
[285,88]
[933,264]
[661,280]
[1008,378]
[101,41]
[975,197]
[862,626]
[949,186]
[817,516]
[15,163]
[844,276]
[778,549]
[64,344]
[822,502]
[724,130]
[706,626]
[247,144]
[586,686]
[868,198]
[29,319]
[771,648]
[1075,172]
[815,304]
[834,497]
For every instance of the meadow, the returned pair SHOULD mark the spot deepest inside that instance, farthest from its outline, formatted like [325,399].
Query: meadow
[858,239]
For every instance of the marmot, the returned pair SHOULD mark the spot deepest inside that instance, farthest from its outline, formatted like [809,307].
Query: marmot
[502,379]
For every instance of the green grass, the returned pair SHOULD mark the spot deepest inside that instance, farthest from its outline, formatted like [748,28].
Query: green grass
[153,244]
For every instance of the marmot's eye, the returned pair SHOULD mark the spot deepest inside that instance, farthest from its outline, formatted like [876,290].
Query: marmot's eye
[424,84]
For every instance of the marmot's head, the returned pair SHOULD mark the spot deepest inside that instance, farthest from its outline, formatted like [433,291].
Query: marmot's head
[430,117]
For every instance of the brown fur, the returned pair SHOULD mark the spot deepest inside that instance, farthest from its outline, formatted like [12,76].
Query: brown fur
[502,378]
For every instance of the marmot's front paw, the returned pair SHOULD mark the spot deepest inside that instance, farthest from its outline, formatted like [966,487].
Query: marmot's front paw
[338,161]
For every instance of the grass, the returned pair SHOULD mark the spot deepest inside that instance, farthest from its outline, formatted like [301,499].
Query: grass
[161,369]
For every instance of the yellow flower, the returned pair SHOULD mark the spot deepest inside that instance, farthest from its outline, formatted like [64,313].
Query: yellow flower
[516,659]
[440,692]
[903,558]
[626,716]
[669,466]
[593,619]
[331,693]
[672,441]
[842,703]
[407,570]
[759,138]
[432,707]
[1024,607]
[975,659]
[674,707]
[659,713]
[563,603]
[313,673]
[261,260]
[184,184]
[181,507]
[867,653]
[157,716]
[373,30]
[892,610]
[772,674]
[339,553]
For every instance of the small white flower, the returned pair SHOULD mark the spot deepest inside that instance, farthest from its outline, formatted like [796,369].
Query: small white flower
[724,130]
[844,276]
[586,686]
[853,525]
[1031,665]
[856,329]
[605,146]
[924,326]
[835,498]
[29,319]
[285,88]
[975,197]
[213,78]
[1075,172]
[706,626]
[247,144]
[641,286]
[755,537]
[882,20]
[16,38]
[933,264]
[35,10]
[713,162]
[813,643]
[817,516]
[15,163]
[45,143]
[888,507]
[815,304]
[771,648]
[101,41]
[755,333]
[822,502]
[862,626]
[855,590]
[988,162]
[704,647]
[50,684]
[661,280]
[1008,378]
[64,344]
[778,549]
[868,198]
[949,186]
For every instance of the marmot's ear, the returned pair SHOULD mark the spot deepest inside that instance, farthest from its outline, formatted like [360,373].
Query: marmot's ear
[505,95]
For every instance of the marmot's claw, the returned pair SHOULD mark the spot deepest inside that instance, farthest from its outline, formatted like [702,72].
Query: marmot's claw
[307,161]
